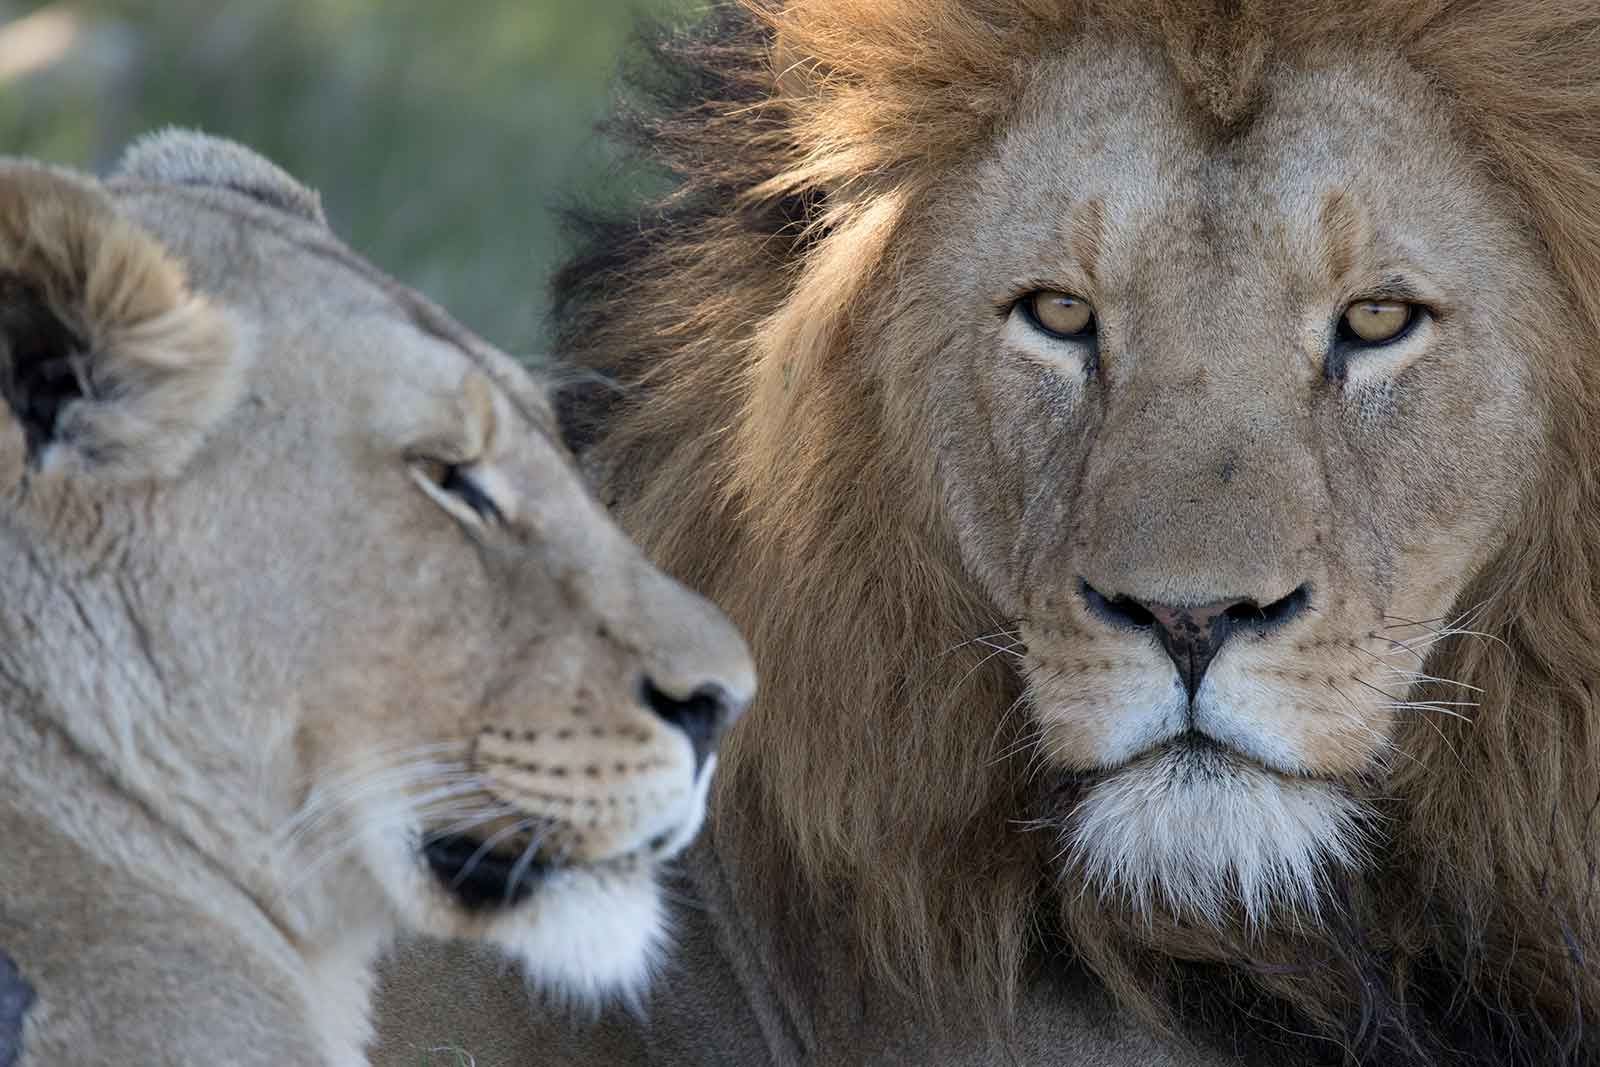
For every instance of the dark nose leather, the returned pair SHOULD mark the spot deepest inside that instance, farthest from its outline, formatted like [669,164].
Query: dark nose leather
[1192,636]
[702,715]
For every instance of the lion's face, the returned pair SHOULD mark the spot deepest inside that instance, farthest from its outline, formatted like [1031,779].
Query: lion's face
[366,587]
[1229,423]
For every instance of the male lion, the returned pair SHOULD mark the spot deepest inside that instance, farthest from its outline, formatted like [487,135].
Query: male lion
[310,634]
[1154,448]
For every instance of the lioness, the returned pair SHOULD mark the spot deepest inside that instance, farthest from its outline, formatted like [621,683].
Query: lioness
[309,635]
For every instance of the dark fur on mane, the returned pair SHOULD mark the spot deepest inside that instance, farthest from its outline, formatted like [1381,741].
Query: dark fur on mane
[737,445]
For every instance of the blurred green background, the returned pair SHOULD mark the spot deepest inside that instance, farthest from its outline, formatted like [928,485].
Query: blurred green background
[442,135]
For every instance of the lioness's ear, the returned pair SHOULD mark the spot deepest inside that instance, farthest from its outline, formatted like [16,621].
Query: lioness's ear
[108,363]
[186,157]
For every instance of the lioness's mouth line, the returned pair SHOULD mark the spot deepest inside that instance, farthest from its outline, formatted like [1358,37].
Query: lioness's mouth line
[478,879]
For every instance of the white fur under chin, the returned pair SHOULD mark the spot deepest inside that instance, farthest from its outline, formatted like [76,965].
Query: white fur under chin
[593,936]
[1201,833]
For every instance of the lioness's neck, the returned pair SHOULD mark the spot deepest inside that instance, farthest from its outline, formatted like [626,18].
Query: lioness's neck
[84,699]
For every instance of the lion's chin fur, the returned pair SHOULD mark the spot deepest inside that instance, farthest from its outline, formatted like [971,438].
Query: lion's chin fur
[1207,836]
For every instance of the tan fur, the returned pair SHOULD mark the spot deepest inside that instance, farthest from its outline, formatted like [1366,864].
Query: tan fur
[174,357]
[816,430]
[256,650]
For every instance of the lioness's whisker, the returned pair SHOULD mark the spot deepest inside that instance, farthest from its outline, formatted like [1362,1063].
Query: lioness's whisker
[328,804]
[472,817]
[511,830]
[519,870]
[385,819]
[426,805]
[380,757]
[337,789]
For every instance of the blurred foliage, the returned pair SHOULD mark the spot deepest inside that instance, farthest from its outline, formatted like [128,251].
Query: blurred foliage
[442,135]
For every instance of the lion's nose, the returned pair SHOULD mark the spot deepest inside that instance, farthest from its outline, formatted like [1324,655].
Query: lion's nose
[1192,636]
[703,714]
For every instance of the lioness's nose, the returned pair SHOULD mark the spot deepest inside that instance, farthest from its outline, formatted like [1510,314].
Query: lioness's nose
[1192,636]
[703,714]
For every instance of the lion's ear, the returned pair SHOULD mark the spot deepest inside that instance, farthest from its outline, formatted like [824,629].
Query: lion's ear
[109,364]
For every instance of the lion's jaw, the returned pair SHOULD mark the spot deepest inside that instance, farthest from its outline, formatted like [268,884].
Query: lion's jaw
[1218,444]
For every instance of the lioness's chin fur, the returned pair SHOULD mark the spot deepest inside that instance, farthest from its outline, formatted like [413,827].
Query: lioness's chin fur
[310,637]
[953,533]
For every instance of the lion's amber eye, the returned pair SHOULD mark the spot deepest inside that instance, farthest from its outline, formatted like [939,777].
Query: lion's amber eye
[1376,322]
[1060,314]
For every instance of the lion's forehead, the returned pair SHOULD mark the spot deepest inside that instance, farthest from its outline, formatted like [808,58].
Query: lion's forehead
[1177,198]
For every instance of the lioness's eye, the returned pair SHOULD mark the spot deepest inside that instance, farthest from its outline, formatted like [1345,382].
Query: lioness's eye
[455,480]
[1376,322]
[1060,314]
[462,486]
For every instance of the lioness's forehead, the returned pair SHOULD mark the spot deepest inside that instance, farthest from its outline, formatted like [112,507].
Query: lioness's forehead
[305,295]
[235,247]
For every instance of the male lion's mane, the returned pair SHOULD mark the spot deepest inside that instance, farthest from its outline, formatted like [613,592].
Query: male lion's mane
[748,320]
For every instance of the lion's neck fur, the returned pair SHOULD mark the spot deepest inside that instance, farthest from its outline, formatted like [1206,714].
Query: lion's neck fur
[757,459]
[843,580]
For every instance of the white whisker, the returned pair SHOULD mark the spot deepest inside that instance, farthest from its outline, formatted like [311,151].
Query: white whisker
[519,870]
[1418,677]
[488,846]
[471,819]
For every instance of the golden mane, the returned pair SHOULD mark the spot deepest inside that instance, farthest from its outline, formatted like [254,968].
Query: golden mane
[749,445]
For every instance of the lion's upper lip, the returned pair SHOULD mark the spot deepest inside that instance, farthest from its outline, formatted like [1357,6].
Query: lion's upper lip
[478,878]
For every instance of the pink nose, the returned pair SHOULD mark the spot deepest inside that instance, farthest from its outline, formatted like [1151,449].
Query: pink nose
[1192,636]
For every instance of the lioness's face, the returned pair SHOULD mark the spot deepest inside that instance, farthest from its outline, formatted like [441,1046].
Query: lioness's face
[503,704]
[451,695]
[1237,416]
